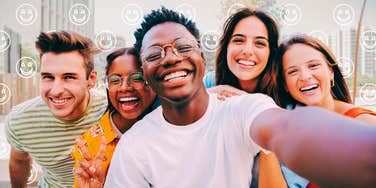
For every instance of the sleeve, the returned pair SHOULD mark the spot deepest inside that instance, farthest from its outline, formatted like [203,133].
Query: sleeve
[11,134]
[126,168]
[209,79]
[247,108]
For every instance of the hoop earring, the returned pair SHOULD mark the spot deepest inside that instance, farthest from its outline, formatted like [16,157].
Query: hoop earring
[331,83]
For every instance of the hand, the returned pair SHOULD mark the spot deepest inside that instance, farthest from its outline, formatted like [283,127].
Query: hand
[90,173]
[225,91]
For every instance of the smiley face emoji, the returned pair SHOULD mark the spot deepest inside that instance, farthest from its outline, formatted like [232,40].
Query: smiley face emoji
[368,93]
[368,40]
[26,67]
[4,41]
[26,14]
[131,14]
[79,14]
[347,67]
[234,8]
[187,10]
[4,93]
[210,41]
[343,14]
[105,40]
[290,14]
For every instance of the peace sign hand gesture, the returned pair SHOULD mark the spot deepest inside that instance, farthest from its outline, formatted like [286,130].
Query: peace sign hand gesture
[90,173]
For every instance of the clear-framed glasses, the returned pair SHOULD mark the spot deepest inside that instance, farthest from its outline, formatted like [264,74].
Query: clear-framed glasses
[134,79]
[180,47]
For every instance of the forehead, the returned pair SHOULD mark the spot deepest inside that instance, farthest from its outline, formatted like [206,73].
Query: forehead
[124,64]
[165,33]
[251,26]
[60,63]
[301,53]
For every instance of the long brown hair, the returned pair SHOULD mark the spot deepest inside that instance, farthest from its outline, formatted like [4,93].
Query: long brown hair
[280,94]
[223,73]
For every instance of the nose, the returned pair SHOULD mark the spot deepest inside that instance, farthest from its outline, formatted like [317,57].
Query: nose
[171,57]
[248,48]
[57,88]
[305,74]
[125,86]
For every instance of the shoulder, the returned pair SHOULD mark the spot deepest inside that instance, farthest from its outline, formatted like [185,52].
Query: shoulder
[28,107]
[250,99]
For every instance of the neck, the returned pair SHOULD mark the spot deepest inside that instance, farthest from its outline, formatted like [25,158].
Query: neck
[248,85]
[121,123]
[186,112]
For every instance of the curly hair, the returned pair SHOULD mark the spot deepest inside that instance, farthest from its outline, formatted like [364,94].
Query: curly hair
[159,16]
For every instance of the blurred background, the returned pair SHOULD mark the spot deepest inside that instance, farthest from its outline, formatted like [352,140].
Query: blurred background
[348,27]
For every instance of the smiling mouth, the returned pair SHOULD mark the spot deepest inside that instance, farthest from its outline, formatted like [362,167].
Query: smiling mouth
[246,63]
[59,101]
[175,76]
[309,88]
[129,103]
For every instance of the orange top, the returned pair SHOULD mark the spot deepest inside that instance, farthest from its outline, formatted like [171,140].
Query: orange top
[270,173]
[356,111]
[93,139]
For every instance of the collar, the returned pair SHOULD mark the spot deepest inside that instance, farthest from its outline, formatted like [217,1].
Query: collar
[108,129]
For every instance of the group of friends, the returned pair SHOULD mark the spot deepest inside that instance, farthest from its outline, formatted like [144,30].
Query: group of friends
[271,115]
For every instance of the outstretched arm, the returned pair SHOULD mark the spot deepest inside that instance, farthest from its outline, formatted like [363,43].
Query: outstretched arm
[329,149]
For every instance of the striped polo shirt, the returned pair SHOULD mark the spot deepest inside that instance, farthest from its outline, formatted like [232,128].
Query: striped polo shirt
[31,127]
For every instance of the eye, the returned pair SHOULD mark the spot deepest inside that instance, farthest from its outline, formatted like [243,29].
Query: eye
[314,65]
[136,77]
[292,72]
[237,40]
[69,77]
[183,48]
[153,57]
[114,79]
[47,77]
[261,43]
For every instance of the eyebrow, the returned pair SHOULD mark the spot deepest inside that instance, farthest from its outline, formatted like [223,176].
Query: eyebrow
[312,60]
[241,35]
[159,44]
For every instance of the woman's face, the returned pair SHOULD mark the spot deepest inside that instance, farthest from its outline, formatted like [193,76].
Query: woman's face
[307,75]
[127,90]
[248,50]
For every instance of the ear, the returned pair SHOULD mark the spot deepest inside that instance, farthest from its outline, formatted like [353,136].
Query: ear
[203,57]
[92,79]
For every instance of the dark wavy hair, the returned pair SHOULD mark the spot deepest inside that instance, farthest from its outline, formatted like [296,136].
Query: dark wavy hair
[224,76]
[159,16]
[280,94]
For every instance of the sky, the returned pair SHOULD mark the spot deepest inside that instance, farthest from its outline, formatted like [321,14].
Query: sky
[316,15]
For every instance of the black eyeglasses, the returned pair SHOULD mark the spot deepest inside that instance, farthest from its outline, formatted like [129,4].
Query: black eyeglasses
[134,79]
[180,47]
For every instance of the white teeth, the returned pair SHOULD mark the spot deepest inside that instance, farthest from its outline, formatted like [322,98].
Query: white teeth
[309,87]
[248,63]
[59,101]
[127,99]
[175,75]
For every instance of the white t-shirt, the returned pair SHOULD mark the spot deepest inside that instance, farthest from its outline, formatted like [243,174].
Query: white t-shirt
[215,151]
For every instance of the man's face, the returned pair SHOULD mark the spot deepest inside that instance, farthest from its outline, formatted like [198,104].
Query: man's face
[174,78]
[63,84]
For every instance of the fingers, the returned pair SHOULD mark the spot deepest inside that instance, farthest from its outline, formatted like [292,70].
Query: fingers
[102,149]
[81,175]
[82,146]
